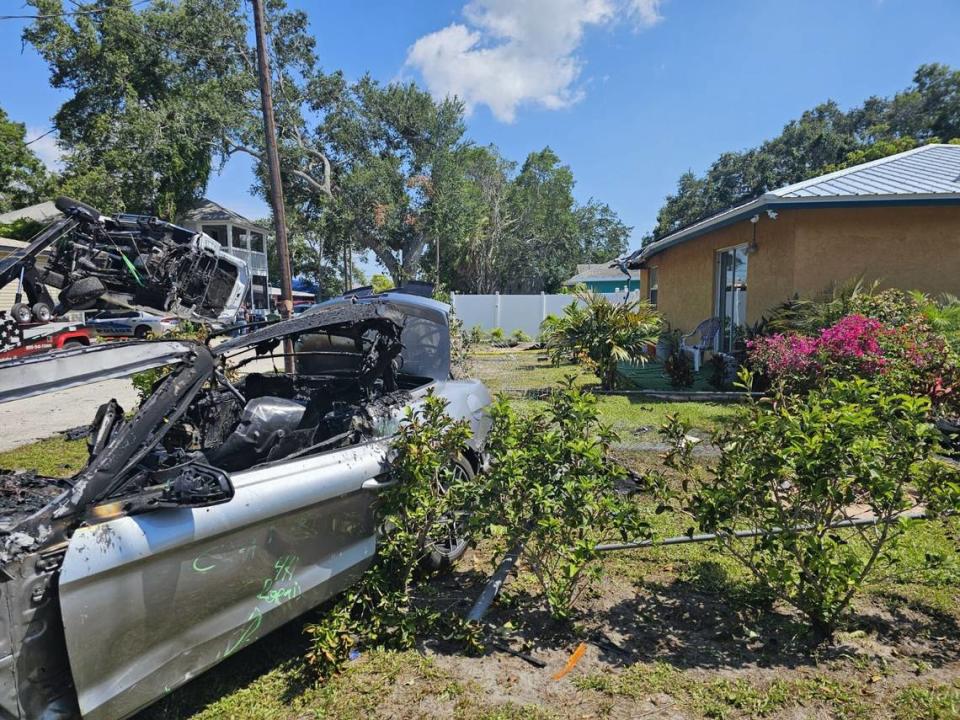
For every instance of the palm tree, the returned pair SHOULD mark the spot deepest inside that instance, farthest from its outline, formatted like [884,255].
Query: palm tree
[942,314]
[604,332]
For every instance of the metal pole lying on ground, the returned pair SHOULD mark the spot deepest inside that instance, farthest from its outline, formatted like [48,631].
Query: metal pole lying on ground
[490,592]
[756,532]
[273,165]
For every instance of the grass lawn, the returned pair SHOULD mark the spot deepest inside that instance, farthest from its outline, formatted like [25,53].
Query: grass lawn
[524,378]
[53,457]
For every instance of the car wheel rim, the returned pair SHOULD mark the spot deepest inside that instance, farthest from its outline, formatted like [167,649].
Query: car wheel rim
[450,540]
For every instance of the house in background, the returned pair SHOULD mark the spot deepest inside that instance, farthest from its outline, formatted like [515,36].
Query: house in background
[895,220]
[601,278]
[243,238]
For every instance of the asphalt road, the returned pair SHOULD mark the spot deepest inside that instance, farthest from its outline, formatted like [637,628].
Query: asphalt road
[26,421]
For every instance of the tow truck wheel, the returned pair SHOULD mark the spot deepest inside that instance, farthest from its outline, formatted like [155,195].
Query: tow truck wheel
[42,312]
[21,313]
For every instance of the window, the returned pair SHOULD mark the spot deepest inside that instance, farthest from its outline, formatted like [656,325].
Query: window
[653,286]
[731,298]
[256,242]
[240,238]
[217,232]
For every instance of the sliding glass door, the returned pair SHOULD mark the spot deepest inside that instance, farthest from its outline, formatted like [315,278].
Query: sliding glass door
[731,299]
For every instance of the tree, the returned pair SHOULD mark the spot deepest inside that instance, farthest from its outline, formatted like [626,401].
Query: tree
[23,178]
[152,92]
[821,140]
[604,333]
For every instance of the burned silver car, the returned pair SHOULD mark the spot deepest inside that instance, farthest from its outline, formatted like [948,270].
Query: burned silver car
[236,497]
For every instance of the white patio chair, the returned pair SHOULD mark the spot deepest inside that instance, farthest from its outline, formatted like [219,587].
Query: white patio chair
[707,331]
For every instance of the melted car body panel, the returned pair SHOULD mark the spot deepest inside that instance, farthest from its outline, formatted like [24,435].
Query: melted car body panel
[199,584]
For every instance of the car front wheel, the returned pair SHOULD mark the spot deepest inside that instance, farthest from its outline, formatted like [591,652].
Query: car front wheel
[450,540]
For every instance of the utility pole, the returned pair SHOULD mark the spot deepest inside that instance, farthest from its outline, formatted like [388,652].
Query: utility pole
[273,165]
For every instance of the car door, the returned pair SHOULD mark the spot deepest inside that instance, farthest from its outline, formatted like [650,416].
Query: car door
[151,600]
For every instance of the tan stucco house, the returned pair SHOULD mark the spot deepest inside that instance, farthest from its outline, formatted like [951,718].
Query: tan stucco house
[895,220]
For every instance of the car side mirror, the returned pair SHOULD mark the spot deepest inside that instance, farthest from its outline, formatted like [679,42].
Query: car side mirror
[193,484]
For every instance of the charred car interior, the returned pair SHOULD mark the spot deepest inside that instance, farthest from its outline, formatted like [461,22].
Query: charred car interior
[132,261]
[234,481]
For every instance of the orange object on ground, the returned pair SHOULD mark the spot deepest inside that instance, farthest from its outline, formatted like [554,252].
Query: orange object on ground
[571,663]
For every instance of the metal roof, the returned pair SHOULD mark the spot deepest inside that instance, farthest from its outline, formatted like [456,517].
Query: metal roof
[929,174]
[598,271]
[928,169]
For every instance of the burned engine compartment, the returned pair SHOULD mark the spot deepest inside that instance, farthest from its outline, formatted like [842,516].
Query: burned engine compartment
[281,417]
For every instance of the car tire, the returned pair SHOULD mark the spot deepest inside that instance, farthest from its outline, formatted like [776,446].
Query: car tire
[21,313]
[82,294]
[42,312]
[444,552]
[73,344]
[141,332]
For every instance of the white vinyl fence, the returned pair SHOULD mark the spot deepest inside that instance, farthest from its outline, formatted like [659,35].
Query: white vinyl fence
[513,312]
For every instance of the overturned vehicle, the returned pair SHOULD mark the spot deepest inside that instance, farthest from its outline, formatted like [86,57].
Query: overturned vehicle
[236,497]
[134,261]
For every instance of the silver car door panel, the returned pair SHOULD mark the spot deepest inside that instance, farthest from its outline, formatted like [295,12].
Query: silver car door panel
[152,600]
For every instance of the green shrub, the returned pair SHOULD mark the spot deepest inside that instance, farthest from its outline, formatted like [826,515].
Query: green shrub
[679,368]
[22,229]
[520,336]
[809,461]
[379,609]
[381,283]
[551,483]
[476,335]
[145,382]
[604,333]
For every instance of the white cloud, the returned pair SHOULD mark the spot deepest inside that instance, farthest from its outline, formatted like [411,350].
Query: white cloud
[45,147]
[646,13]
[513,52]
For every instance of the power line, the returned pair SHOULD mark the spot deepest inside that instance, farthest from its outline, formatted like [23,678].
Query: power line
[94,11]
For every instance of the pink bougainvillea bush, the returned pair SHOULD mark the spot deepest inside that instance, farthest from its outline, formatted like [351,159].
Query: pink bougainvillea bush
[907,358]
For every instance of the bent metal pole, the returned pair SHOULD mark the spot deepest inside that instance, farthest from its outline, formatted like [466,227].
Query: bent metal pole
[757,532]
[276,188]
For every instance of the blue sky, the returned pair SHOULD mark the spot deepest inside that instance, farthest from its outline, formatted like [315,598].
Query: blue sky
[629,93]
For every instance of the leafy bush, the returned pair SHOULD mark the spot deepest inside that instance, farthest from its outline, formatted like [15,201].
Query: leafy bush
[552,483]
[145,382]
[520,336]
[907,357]
[806,463]
[810,315]
[497,337]
[679,368]
[723,371]
[379,609]
[460,344]
[381,283]
[476,335]
[605,333]
[942,315]
[22,229]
